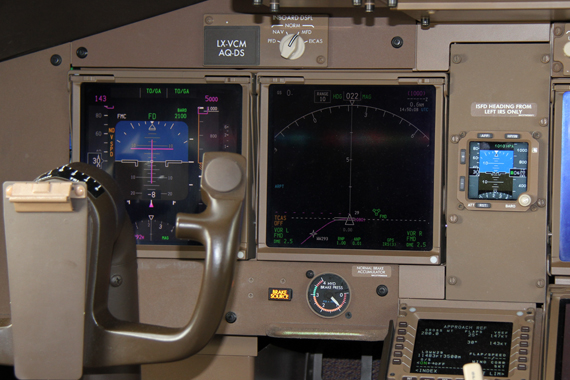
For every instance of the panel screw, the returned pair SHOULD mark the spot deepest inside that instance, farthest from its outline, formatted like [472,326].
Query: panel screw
[250,295]
[463,134]
[544,122]
[557,67]
[452,280]
[455,139]
[545,58]
[536,135]
[453,218]
[56,60]
[456,59]
[209,20]
[251,280]
[533,207]
[283,281]
[540,283]
[461,206]
[231,317]
[541,202]
[558,31]
[397,42]
[321,59]
[82,52]
[348,315]
[310,274]
[382,290]
[116,281]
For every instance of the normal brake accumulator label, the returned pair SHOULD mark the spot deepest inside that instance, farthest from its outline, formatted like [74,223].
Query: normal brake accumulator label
[504,109]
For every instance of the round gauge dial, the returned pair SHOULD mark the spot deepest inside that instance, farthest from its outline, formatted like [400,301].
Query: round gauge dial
[328,295]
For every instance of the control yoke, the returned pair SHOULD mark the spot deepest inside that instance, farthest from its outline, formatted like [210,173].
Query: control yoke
[64,315]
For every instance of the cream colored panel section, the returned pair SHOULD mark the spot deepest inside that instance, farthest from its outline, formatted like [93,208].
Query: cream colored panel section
[365,42]
[422,282]
[202,367]
[172,40]
[434,42]
[34,127]
[496,255]
[168,289]
[175,40]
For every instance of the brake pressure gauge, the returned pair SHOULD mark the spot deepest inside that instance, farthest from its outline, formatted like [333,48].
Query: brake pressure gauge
[328,295]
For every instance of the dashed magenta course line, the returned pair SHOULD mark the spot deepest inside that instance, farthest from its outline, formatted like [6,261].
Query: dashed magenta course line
[332,221]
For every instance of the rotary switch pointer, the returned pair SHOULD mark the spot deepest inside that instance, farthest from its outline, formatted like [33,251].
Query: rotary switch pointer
[292,46]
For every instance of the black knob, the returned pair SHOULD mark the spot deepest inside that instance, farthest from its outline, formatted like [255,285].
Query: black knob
[82,52]
[382,290]
[231,317]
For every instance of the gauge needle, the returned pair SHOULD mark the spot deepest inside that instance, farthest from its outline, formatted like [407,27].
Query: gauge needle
[335,301]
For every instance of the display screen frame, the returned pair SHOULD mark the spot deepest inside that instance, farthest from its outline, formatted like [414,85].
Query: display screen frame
[430,256]
[522,316]
[169,78]
[457,347]
[560,265]
[463,175]
[562,368]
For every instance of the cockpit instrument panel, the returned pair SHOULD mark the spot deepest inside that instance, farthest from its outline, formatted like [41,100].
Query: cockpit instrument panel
[151,137]
[350,168]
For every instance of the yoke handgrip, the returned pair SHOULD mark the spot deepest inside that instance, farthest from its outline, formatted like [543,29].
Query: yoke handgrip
[114,342]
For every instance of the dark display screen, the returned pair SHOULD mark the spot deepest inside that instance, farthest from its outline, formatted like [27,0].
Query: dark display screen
[351,167]
[443,347]
[563,344]
[151,138]
[497,170]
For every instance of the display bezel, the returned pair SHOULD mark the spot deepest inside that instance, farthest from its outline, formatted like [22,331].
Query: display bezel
[433,256]
[554,332]
[151,77]
[412,311]
[463,170]
[558,266]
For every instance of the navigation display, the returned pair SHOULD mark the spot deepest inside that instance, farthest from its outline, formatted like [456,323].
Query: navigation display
[443,347]
[151,138]
[497,170]
[351,166]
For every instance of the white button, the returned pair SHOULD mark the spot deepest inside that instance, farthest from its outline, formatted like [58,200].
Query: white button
[525,200]
[567,49]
